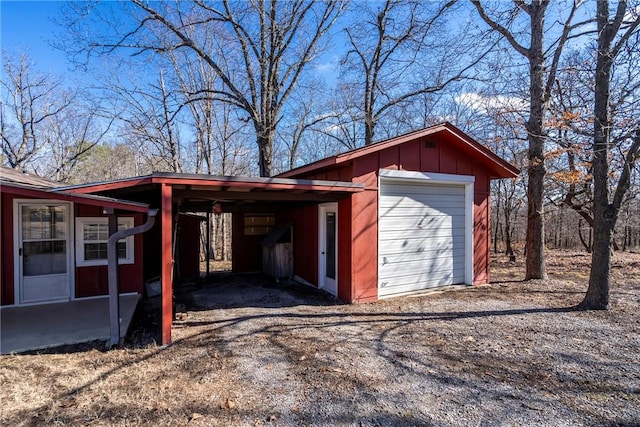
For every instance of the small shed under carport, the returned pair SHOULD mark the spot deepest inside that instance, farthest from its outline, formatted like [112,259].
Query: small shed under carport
[245,197]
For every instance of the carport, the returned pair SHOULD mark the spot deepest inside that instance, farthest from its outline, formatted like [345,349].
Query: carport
[176,193]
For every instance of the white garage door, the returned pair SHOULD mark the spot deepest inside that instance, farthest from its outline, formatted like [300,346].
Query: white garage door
[422,235]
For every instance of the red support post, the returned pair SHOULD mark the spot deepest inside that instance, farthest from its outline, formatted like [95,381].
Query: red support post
[166,218]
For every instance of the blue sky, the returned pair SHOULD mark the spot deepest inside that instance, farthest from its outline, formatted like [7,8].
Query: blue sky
[27,26]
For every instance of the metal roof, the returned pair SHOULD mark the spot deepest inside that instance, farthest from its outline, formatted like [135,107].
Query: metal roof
[8,175]
[27,190]
[196,192]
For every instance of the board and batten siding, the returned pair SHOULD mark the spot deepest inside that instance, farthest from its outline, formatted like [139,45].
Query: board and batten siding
[425,231]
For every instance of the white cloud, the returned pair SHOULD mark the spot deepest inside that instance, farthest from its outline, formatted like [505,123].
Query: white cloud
[482,103]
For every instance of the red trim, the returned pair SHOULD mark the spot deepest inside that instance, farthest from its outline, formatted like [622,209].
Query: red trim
[167,262]
[504,168]
[23,191]
[243,183]
[248,184]
[106,186]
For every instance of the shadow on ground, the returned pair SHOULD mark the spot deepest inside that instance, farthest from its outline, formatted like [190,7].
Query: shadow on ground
[222,291]
[225,291]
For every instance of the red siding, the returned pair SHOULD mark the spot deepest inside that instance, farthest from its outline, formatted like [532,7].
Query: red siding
[482,236]
[93,281]
[246,253]
[364,241]
[6,249]
[448,160]
[389,159]
[89,281]
[166,260]
[410,156]
[430,158]
[188,248]
[305,241]
[344,250]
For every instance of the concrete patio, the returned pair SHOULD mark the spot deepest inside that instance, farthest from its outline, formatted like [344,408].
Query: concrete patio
[42,326]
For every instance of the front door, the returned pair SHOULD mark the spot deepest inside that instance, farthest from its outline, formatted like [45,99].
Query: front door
[328,250]
[43,253]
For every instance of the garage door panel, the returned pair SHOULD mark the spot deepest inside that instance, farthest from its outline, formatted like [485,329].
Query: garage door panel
[420,283]
[430,267]
[420,222]
[405,189]
[423,213]
[422,253]
[419,245]
[422,236]
[423,226]
[404,236]
[435,202]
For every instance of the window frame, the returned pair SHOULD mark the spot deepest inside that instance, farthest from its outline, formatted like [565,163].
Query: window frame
[81,222]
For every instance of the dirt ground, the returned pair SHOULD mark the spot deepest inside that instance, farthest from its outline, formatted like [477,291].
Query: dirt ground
[253,352]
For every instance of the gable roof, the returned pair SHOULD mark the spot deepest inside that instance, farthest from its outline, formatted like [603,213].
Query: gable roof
[18,177]
[32,191]
[444,131]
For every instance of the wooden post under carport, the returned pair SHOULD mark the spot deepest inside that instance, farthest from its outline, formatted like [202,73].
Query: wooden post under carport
[166,218]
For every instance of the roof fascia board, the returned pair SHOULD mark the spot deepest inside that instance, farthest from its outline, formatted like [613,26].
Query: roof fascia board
[502,165]
[504,168]
[107,185]
[86,199]
[263,183]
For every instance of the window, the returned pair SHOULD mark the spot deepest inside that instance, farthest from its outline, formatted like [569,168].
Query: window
[92,235]
[258,224]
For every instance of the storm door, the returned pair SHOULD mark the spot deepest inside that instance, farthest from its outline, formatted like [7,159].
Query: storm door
[43,253]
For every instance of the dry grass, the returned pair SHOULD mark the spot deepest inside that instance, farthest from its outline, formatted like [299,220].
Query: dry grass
[506,354]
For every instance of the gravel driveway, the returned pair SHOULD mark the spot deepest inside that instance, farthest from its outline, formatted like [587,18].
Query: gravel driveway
[251,352]
[508,354]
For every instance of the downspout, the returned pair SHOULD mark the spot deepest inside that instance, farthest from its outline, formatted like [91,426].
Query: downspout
[112,261]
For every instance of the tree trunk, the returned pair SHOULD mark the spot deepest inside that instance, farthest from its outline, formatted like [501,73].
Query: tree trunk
[265,151]
[604,213]
[535,261]
[507,235]
[585,242]
[498,209]
[597,296]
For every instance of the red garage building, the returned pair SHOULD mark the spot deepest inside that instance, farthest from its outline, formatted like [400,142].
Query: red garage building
[422,221]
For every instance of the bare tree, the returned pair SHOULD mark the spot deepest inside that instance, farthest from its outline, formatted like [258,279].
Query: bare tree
[543,60]
[400,50]
[70,136]
[614,32]
[108,162]
[268,44]
[46,128]
[218,132]
[305,121]
[31,99]
[148,112]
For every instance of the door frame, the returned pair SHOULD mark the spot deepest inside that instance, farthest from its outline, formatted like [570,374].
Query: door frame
[426,178]
[17,243]
[323,283]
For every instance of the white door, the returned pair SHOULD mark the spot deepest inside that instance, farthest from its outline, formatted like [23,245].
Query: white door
[423,235]
[43,253]
[328,248]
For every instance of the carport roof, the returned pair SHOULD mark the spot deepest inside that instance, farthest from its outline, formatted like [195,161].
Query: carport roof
[195,189]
